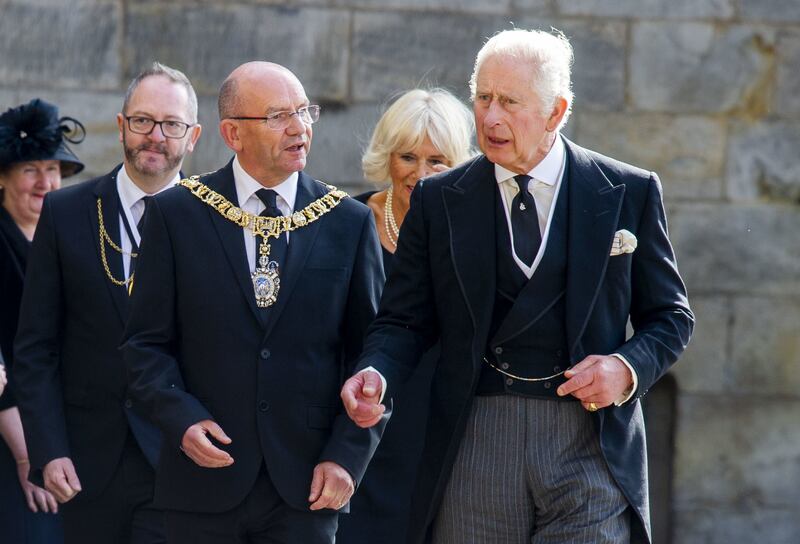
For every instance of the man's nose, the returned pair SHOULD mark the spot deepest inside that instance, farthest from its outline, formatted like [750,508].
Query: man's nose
[157,134]
[296,125]
[494,114]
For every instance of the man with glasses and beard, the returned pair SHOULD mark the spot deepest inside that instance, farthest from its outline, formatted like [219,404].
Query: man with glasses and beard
[87,441]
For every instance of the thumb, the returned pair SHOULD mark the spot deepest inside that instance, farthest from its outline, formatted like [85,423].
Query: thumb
[72,477]
[372,384]
[586,363]
[317,482]
[217,432]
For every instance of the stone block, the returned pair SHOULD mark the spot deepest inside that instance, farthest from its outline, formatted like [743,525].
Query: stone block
[703,367]
[598,75]
[765,357]
[738,249]
[687,152]
[648,9]
[702,525]
[778,11]
[398,51]
[457,6]
[340,137]
[787,99]
[763,163]
[699,67]
[737,449]
[60,44]
[208,42]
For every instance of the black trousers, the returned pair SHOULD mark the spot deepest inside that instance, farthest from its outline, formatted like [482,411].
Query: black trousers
[261,518]
[123,513]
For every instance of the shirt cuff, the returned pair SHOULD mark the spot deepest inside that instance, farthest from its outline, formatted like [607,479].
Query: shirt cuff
[383,380]
[628,393]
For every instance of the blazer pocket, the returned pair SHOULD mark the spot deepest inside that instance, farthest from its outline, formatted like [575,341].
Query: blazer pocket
[321,417]
[619,262]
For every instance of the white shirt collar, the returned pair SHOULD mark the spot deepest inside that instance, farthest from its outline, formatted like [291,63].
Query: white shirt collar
[547,171]
[130,193]
[246,186]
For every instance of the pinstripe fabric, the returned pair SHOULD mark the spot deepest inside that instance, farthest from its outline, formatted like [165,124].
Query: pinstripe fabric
[531,471]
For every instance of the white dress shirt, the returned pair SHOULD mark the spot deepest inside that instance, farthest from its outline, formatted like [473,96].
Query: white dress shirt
[246,187]
[130,195]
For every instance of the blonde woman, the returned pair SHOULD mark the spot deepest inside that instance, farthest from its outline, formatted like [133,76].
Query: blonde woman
[423,132]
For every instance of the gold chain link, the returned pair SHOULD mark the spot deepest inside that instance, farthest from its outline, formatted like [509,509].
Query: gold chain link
[522,378]
[104,237]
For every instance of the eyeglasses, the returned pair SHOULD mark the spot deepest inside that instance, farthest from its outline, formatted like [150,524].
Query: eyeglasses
[145,125]
[281,119]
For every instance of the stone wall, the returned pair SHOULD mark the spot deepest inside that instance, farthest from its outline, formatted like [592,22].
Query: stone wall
[705,92]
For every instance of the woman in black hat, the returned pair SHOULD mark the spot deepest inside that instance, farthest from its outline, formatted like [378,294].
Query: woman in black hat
[34,157]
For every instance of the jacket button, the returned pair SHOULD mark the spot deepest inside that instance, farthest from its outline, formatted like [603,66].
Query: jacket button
[556,368]
[263,406]
[504,366]
[265,354]
[559,353]
[498,350]
[128,403]
[509,382]
[547,385]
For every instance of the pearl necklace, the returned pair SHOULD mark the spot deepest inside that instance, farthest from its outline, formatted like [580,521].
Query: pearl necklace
[388,219]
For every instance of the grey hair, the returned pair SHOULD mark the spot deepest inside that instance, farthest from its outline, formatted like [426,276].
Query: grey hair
[550,56]
[174,75]
[417,114]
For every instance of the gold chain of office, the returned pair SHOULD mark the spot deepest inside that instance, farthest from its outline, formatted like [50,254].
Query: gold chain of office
[266,227]
[105,238]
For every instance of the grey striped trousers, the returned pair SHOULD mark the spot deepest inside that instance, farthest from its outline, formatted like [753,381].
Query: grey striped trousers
[531,471]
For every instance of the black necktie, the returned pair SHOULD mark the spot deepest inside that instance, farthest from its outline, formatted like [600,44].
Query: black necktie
[277,250]
[525,222]
[140,222]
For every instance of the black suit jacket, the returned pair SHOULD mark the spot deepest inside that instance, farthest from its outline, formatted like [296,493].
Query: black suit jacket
[69,373]
[197,347]
[443,285]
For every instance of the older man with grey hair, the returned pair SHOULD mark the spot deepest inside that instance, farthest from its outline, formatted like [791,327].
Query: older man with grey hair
[527,263]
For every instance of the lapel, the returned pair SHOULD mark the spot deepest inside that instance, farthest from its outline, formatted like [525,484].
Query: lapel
[545,287]
[594,208]
[469,208]
[106,191]
[300,243]
[231,236]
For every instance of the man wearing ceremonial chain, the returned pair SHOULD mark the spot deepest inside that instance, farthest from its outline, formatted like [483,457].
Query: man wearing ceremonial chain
[88,441]
[251,300]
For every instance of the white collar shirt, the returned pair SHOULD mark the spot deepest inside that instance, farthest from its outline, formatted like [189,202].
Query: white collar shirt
[246,187]
[130,196]
[546,179]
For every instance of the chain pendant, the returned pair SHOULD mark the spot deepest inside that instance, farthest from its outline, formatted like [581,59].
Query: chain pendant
[266,278]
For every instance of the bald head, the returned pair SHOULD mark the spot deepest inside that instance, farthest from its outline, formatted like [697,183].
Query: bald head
[248,79]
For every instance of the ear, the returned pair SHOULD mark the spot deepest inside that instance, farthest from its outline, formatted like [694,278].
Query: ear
[229,130]
[120,125]
[194,136]
[559,109]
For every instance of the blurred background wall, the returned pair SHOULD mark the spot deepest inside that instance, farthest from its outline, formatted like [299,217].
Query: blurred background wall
[704,92]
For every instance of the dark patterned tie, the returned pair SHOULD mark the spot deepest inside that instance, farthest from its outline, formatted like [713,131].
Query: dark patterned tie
[525,222]
[277,251]
[140,222]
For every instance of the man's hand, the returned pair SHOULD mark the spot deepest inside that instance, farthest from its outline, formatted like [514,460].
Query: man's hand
[598,379]
[3,378]
[61,480]
[38,499]
[361,395]
[331,487]
[199,448]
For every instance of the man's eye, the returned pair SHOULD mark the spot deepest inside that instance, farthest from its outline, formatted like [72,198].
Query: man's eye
[280,116]
[172,124]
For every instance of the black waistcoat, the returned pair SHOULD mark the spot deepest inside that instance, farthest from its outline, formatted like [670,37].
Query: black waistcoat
[528,335]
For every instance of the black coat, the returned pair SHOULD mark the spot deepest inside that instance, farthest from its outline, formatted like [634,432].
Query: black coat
[450,227]
[197,347]
[69,374]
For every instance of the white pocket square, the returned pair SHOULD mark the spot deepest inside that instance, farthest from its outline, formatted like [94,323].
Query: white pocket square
[624,242]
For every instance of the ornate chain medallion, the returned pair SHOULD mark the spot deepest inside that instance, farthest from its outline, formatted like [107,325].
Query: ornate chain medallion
[266,277]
